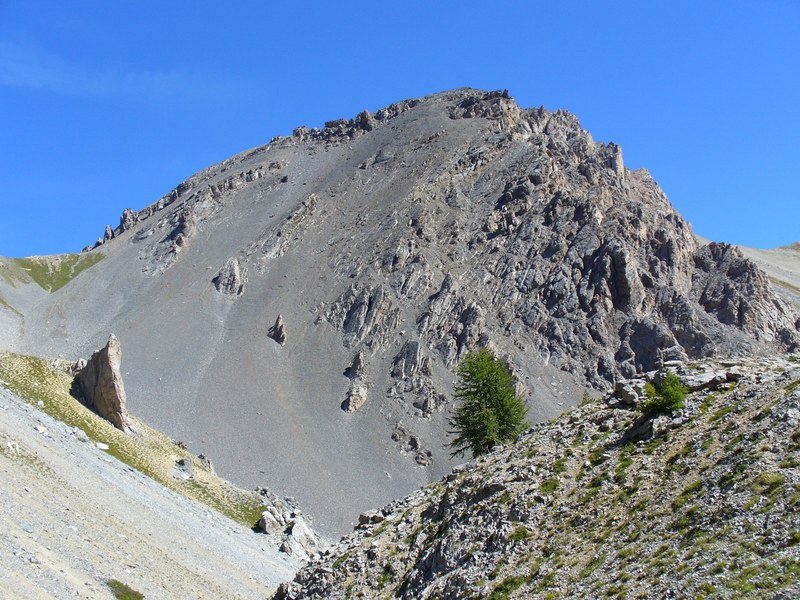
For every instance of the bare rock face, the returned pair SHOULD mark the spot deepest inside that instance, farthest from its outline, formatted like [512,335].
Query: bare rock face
[230,280]
[737,293]
[100,384]
[278,331]
[299,540]
[356,396]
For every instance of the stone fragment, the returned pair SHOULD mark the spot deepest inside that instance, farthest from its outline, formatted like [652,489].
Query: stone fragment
[301,540]
[100,385]
[356,397]
[183,468]
[278,331]
[357,368]
[128,219]
[370,517]
[230,280]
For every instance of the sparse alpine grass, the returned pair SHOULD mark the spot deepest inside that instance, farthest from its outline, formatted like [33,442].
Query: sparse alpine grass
[149,451]
[52,273]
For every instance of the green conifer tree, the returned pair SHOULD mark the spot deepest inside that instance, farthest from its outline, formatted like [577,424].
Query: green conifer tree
[489,412]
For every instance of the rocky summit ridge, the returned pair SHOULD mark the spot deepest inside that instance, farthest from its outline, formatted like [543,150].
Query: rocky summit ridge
[310,298]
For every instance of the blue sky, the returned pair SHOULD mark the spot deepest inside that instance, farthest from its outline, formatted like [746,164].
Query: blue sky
[107,105]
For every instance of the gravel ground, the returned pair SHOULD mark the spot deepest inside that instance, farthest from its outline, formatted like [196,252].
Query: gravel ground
[72,517]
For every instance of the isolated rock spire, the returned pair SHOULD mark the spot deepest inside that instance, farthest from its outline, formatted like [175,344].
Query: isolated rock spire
[100,384]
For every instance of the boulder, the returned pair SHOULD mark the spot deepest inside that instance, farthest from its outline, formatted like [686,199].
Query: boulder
[278,331]
[356,397]
[100,385]
[230,280]
[301,541]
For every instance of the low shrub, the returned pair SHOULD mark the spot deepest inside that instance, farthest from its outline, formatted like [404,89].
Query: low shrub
[667,397]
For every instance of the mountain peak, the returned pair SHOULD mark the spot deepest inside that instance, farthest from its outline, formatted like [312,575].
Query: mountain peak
[399,240]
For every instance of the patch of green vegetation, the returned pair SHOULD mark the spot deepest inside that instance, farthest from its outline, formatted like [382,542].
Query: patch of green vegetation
[625,552]
[683,522]
[794,500]
[667,397]
[784,284]
[722,412]
[380,529]
[707,589]
[386,575]
[52,273]
[686,494]
[792,386]
[548,486]
[768,485]
[651,446]
[340,561]
[591,566]
[508,586]
[732,476]
[519,534]
[795,445]
[411,538]
[504,499]
[122,591]
[734,442]
[560,464]
[149,452]
[706,403]
[625,461]
[498,567]
[596,456]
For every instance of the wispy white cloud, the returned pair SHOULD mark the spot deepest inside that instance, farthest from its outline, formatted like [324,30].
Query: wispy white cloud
[29,67]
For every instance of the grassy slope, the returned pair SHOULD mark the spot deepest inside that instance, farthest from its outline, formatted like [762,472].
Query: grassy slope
[148,450]
[52,273]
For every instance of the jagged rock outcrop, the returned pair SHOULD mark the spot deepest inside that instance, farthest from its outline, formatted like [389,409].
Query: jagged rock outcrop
[356,396]
[600,502]
[365,315]
[299,540]
[278,331]
[100,385]
[230,280]
[357,368]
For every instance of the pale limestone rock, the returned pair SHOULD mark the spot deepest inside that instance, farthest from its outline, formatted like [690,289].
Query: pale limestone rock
[100,384]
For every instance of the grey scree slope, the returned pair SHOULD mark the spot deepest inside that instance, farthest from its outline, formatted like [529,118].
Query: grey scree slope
[396,241]
[73,518]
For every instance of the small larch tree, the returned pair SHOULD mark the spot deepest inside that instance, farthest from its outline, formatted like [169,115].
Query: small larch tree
[667,397]
[489,412]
